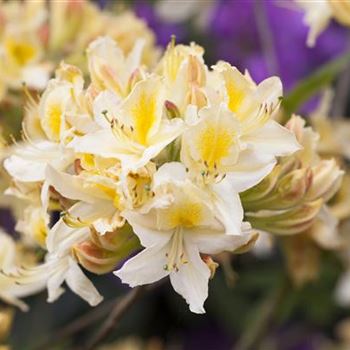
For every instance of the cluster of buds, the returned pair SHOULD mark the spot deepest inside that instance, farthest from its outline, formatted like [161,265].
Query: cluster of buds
[291,203]
[101,254]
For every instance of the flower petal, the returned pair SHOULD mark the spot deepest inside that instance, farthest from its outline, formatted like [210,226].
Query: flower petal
[81,285]
[191,281]
[273,139]
[251,168]
[144,268]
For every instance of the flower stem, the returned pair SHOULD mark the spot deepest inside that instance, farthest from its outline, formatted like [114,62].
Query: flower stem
[118,311]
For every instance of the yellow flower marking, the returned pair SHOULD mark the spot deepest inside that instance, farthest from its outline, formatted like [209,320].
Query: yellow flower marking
[235,96]
[21,52]
[53,123]
[186,214]
[144,116]
[214,145]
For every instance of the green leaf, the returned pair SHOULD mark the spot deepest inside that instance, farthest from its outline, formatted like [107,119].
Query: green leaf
[318,80]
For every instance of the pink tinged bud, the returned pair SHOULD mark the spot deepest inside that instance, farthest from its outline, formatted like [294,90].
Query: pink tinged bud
[171,110]
[100,254]
[93,258]
[113,240]
[77,166]
[327,180]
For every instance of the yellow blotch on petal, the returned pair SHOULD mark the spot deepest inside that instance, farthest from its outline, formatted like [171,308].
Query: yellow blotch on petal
[235,96]
[214,145]
[20,52]
[187,214]
[53,121]
[144,115]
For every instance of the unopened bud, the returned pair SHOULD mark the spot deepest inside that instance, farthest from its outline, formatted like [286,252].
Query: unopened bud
[171,110]
[287,222]
[327,179]
[101,253]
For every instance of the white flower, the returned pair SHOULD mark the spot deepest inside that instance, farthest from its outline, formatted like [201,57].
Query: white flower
[138,130]
[175,229]
[59,265]
[237,137]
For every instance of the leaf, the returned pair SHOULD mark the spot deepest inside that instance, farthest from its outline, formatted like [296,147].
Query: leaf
[315,82]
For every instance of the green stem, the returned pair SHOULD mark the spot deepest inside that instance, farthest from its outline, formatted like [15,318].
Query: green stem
[317,81]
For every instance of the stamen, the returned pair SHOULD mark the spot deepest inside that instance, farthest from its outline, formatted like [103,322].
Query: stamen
[176,255]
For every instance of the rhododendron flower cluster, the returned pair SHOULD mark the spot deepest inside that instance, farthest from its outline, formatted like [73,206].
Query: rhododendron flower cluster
[145,162]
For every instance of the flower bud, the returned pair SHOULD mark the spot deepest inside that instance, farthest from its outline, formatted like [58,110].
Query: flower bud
[286,222]
[289,191]
[171,110]
[327,179]
[101,253]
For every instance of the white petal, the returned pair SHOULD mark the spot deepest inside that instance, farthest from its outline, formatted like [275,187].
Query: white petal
[28,163]
[251,168]
[105,101]
[273,139]
[145,228]
[191,281]
[68,186]
[145,268]
[56,279]
[81,285]
[229,207]
[102,143]
[209,241]
[169,172]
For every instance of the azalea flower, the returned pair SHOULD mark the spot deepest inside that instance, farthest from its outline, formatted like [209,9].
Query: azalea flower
[175,229]
[138,130]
